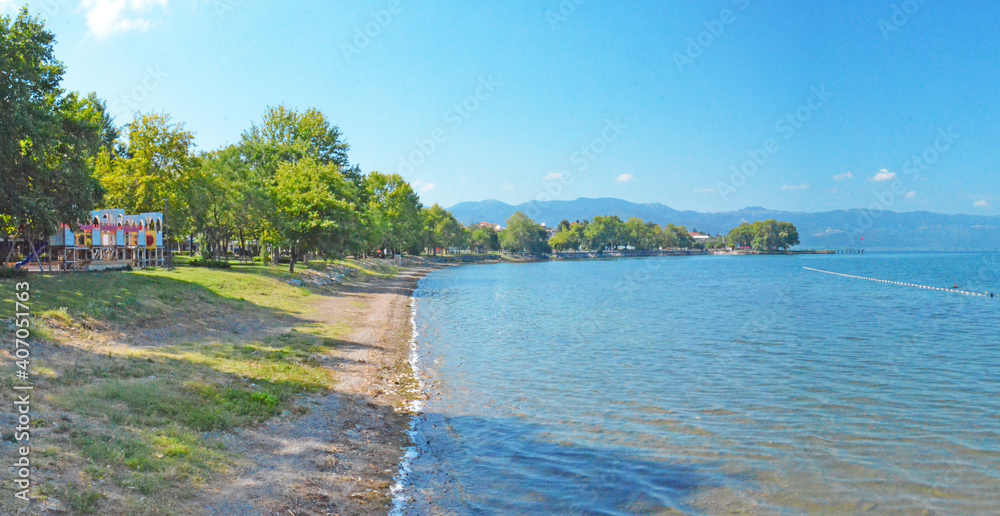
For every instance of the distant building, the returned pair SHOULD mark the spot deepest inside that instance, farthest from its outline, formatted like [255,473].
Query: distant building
[494,227]
[699,237]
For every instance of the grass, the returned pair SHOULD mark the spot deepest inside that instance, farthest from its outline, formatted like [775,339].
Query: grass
[159,293]
[148,420]
[152,416]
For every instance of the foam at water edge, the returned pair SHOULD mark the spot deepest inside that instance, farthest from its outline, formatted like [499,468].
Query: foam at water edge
[411,452]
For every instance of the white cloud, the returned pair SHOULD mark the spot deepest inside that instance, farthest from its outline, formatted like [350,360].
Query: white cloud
[624,178]
[553,176]
[981,204]
[107,17]
[911,194]
[843,177]
[795,187]
[884,175]
[427,187]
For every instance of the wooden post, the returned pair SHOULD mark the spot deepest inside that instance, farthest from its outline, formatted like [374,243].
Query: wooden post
[169,258]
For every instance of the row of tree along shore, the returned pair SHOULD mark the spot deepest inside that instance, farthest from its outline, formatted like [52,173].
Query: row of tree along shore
[285,191]
[610,234]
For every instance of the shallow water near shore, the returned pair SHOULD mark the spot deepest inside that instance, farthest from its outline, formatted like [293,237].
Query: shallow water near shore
[709,385]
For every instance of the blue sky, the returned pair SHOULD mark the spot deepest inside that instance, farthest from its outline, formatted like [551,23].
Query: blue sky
[710,106]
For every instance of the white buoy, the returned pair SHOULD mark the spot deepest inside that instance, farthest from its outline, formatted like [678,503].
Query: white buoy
[914,285]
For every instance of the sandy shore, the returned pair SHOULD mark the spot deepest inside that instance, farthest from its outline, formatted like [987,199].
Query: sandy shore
[341,456]
[331,449]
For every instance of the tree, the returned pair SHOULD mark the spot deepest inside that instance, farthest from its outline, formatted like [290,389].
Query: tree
[441,229]
[223,200]
[485,239]
[285,135]
[48,137]
[567,240]
[767,235]
[741,236]
[641,235]
[788,235]
[677,237]
[392,212]
[522,235]
[298,135]
[605,233]
[315,205]
[156,164]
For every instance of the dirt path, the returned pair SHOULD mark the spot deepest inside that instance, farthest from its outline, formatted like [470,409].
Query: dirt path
[341,455]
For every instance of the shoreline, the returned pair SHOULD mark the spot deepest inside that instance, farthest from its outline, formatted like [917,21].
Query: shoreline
[344,455]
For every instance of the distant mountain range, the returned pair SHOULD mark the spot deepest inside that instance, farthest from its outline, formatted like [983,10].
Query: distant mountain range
[839,229]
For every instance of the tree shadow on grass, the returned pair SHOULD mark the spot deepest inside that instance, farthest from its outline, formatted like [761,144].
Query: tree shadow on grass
[155,423]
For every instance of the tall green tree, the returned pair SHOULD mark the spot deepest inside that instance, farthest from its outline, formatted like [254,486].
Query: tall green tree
[788,235]
[441,229]
[225,201]
[315,204]
[392,213]
[156,164]
[48,137]
[567,240]
[677,237]
[605,233]
[523,235]
[740,236]
[642,235]
[485,239]
[285,135]
[767,235]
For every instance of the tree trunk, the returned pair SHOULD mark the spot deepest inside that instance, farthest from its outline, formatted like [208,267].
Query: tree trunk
[38,259]
[10,251]
[291,261]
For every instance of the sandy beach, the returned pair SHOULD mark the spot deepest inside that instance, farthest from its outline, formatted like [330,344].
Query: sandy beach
[340,457]
[322,371]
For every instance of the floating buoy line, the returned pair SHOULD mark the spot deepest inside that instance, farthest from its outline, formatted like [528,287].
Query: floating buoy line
[876,280]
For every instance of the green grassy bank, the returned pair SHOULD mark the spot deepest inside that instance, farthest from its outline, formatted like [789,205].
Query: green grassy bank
[123,425]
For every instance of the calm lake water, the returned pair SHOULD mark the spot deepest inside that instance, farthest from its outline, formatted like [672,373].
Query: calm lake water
[709,385]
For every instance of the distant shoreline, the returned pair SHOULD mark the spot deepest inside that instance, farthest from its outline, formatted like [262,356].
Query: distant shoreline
[607,255]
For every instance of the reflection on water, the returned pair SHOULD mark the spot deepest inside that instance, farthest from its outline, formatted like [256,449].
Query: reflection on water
[709,385]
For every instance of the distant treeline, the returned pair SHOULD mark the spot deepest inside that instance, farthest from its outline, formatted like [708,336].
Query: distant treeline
[768,235]
[611,233]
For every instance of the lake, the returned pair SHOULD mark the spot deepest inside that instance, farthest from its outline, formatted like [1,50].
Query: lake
[708,385]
